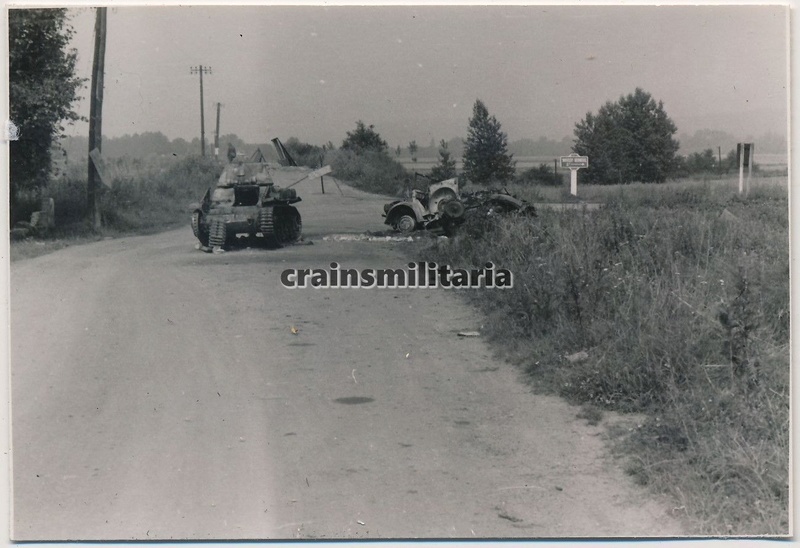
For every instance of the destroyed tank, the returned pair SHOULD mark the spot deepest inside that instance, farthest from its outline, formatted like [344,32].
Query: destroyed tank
[247,203]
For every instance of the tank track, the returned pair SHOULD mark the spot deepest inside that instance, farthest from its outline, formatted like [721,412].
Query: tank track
[200,232]
[217,234]
[280,225]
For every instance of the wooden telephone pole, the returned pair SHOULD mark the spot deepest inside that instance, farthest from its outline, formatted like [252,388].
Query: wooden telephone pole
[216,135]
[200,70]
[96,115]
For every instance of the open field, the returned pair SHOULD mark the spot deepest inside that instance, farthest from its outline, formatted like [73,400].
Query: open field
[765,161]
[717,189]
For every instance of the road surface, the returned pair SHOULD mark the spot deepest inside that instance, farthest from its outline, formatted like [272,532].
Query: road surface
[159,392]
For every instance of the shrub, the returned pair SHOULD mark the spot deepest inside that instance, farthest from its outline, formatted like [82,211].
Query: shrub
[542,175]
[371,171]
[305,154]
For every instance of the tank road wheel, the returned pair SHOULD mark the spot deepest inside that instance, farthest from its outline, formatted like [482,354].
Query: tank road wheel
[266,225]
[217,234]
[405,224]
[289,227]
[199,229]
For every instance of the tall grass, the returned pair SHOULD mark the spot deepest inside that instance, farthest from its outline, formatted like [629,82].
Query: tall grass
[680,296]
[144,196]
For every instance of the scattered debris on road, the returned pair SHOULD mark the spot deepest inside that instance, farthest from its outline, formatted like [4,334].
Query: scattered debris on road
[367,237]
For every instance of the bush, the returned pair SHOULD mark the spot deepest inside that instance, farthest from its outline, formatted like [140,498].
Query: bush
[368,170]
[542,175]
[305,154]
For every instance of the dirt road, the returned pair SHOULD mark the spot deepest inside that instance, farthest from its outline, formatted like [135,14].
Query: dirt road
[159,392]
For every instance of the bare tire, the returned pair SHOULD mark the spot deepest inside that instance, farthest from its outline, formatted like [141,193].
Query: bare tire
[199,229]
[453,209]
[405,224]
[218,234]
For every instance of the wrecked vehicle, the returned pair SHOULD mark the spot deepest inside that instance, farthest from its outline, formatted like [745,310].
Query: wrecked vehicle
[246,203]
[444,207]
[493,202]
[439,207]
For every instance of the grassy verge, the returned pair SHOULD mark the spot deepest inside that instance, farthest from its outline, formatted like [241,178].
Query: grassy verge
[143,199]
[679,296]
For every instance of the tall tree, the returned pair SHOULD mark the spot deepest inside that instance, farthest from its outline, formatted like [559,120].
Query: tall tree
[446,169]
[363,139]
[42,88]
[412,149]
[630,140]
[486,157]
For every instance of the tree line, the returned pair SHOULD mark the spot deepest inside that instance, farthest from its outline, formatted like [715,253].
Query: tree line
[628,140]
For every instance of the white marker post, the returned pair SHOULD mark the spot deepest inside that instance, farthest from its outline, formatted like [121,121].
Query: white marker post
[744,153]
[574,163]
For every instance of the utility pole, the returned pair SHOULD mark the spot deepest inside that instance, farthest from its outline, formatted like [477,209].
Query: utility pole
[216,135]
[96,115]
[200,70]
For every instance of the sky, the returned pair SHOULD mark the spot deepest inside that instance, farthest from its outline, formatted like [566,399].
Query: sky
[414,72]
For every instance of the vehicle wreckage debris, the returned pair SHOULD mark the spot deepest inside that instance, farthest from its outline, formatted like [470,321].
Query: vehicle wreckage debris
[443,207]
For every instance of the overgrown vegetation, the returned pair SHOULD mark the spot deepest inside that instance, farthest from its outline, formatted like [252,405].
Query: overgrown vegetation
[144,197]
[680,296]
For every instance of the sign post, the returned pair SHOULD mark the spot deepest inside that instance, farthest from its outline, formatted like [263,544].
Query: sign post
[744,157]
[574,162]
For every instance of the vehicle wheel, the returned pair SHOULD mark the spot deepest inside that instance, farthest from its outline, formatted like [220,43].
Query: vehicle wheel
[405,224]
[218,234]
[453,209]
[199,229]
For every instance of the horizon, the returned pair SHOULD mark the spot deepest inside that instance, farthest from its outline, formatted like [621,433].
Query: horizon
[426,66]
[698,142]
